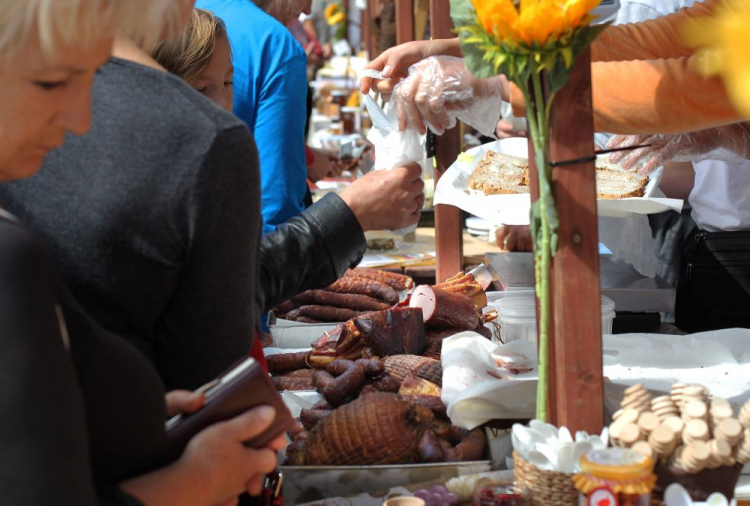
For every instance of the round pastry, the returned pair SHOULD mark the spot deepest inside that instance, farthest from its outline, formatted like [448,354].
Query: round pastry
[695,430]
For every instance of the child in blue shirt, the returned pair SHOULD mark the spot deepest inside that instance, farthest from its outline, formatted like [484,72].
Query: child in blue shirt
[270,91]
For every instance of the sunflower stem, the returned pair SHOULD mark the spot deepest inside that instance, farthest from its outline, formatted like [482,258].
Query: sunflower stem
[542,254]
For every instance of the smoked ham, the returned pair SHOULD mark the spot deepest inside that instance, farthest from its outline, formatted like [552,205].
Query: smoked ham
[379,428]
[444,309]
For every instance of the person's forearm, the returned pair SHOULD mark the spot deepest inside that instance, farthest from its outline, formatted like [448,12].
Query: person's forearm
[654,96]
[309,251]
[648,40]
[446,47]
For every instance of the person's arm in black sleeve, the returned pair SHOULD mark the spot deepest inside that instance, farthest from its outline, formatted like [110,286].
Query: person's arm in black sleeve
[45,454]
[309,251]
[209,322]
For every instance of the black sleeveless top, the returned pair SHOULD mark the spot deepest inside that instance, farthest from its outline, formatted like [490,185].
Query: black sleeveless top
[80,409]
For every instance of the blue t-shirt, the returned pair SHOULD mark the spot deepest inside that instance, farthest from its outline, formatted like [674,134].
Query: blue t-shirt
[270,93]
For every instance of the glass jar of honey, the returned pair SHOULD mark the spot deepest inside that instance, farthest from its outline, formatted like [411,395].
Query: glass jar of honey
[615,477]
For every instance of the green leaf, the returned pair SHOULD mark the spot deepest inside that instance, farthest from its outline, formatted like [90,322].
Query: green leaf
[522,64]
[500,58]
[567,54]
[474,39]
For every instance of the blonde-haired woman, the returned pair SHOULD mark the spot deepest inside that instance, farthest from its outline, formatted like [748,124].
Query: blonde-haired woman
[81,412]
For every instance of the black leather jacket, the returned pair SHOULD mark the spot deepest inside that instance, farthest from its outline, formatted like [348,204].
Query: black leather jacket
[309,251]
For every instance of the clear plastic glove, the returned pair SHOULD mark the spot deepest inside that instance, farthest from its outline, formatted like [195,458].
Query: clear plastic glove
[394,63]
[729,144]
[441,90]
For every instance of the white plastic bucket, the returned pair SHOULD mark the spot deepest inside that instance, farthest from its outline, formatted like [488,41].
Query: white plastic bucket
[517,310]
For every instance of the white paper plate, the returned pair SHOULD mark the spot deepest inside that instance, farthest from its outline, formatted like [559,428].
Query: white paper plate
[453,189]
[477,223]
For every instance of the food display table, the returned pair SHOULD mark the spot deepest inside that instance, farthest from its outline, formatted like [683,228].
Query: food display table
[415,253]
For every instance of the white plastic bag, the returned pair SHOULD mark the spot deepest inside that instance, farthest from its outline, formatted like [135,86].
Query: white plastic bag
[393,148]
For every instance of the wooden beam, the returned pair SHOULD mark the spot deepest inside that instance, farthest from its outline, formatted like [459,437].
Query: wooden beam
[404,21]
[577,400]
[367,40]
[448,225]
[373,8]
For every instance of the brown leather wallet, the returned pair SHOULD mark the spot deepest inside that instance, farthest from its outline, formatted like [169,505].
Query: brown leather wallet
[243,387]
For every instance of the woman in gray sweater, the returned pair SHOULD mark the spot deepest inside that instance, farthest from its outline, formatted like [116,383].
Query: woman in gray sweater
[82,412]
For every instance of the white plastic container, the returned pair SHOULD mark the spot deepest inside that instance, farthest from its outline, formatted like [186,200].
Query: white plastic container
[517,310]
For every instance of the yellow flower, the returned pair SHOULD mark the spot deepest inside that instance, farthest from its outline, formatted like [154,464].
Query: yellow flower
[496,16]
[531,22]
[336,19]
[724,45]
[331,10]
[578,12]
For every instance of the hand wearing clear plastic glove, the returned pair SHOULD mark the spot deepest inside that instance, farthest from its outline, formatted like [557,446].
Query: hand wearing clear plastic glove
[729,144]
[440,90]
[394,63]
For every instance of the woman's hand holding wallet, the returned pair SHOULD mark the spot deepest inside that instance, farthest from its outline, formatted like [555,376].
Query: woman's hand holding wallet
[184,402]
[218,453]
[222,441]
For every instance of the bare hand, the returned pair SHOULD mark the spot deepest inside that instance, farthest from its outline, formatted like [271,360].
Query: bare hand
[387,199]
[319,167]
[184,402]
[733,140]
[227,467]
[337,166]
[505,130]
[394,63]
[514,238]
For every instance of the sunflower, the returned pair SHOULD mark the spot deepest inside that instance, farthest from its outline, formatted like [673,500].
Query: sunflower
[532,22]
[336,19]
[723,43]
[331,9]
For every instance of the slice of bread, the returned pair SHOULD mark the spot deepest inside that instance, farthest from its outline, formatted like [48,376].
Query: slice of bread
[502,189]
[498,170]
[615,175]
[502,158]
[501,174]
[489,174]
[618,189]
[614,182]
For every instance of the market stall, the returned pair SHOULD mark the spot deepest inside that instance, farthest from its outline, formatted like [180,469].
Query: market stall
[462,380]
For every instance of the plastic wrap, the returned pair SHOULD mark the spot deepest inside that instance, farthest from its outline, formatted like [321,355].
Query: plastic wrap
[440,90]
[393,147]
[476,390]
[729,144]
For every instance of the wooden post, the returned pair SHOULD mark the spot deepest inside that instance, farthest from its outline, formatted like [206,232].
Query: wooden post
[576,391]
[404,21]
[448,226]
[373,11]
[367,31]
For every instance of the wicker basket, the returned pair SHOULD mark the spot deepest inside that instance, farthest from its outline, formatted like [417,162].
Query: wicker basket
[548,488]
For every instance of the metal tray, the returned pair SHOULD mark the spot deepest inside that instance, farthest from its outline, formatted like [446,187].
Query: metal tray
[303,484]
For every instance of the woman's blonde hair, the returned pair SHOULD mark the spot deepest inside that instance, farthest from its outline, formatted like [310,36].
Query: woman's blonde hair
[82,21]
[188,54]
